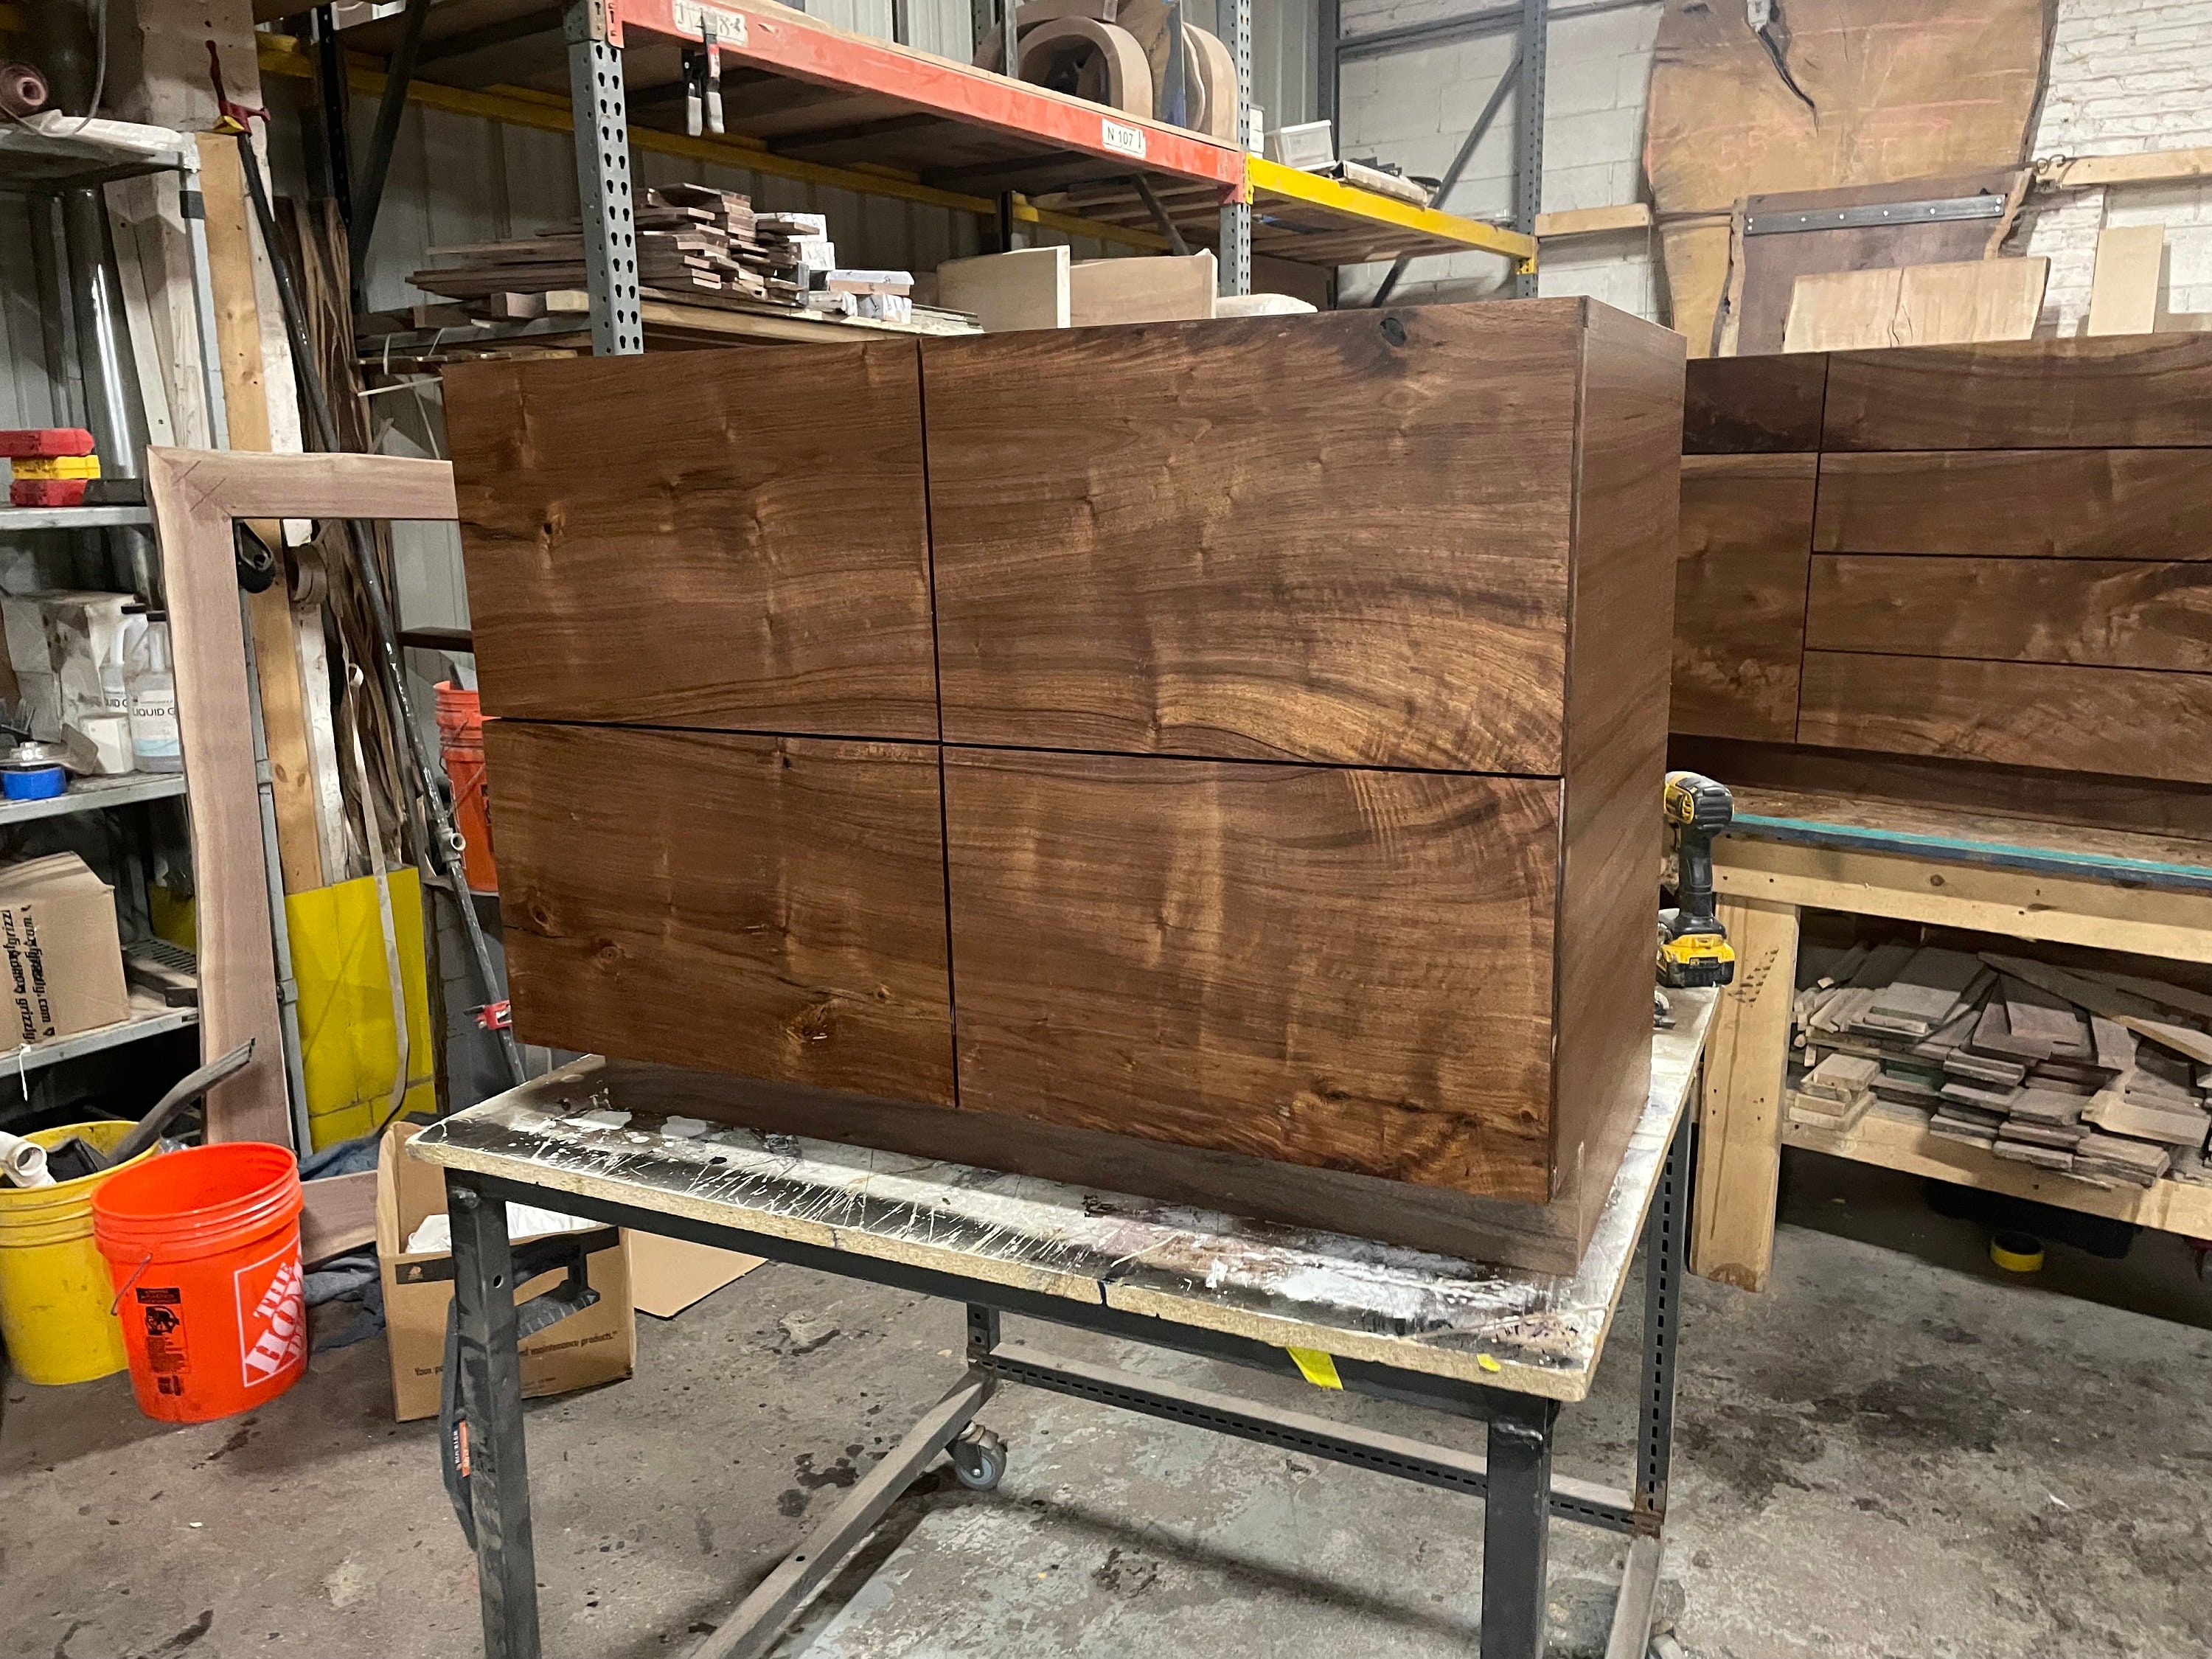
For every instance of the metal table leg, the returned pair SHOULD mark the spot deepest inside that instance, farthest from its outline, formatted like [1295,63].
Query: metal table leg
[491,1421]
[1666,1232]
[1516,1531]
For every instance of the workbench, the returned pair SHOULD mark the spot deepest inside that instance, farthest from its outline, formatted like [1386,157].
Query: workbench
[1504,1346]
[1794,850]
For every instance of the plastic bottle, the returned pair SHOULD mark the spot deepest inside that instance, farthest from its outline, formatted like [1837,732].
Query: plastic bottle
[151,676]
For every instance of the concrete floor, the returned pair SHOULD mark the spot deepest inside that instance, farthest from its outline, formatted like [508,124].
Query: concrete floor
[1896,1451]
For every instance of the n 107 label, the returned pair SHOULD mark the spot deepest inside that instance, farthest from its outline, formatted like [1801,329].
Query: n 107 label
[1122,137]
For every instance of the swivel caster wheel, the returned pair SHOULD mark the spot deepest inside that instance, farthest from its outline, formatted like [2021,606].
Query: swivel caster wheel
[979,1458]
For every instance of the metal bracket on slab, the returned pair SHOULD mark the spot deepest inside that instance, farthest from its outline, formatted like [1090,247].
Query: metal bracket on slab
[1876,213]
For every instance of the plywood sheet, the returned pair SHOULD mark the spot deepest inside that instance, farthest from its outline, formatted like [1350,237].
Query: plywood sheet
[2120,721]
[2024,503]
[769,906]
[1028,288]
[2108,613]
[2126,393]
[1843,310]
[1215,552]
[1833,93]
[714,539]
[1343,969]
[1165,288]
[1970,299]
[2123,296]
[1740,594]
[1947,304]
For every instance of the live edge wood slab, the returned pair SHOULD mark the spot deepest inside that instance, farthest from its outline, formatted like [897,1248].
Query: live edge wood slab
[1223,754]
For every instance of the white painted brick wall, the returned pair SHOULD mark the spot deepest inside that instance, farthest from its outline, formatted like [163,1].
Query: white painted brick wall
[2125,76]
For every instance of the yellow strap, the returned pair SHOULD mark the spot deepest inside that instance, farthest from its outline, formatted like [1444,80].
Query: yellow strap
[1316,1367]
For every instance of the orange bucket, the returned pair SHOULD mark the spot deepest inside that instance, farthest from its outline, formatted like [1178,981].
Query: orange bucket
[460,746]
[203,1248]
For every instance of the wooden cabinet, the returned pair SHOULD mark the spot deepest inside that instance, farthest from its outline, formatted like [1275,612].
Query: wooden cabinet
[1225,758]
[2005,561]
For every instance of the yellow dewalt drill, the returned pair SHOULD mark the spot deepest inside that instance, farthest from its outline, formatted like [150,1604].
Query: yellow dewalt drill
[1694,947]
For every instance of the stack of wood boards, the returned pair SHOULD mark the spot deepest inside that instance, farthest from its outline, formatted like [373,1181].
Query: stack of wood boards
[1999,555]
[691,240]
[2098,1076]
[1215,761]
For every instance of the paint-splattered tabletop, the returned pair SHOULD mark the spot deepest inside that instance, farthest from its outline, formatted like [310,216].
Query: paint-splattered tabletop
[1533,1332]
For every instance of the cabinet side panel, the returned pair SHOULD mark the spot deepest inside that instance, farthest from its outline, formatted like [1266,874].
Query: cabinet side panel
[1627,507]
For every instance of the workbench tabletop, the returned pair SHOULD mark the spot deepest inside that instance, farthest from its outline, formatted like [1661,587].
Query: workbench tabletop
[1537,1334]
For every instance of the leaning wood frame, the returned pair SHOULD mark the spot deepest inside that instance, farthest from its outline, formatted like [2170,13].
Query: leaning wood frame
[197,496]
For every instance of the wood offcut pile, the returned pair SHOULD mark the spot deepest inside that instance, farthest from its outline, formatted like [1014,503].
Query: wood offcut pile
[692,241]
[2100,1076]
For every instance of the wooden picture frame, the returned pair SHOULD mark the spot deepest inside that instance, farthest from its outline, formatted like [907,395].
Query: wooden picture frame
[197,495]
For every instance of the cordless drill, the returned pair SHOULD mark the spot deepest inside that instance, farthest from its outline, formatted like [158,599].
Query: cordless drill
[1694,947]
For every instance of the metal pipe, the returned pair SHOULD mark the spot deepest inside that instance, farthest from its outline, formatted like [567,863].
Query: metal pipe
[446,842]
[114,406]
[63,46]
[398,74]
[335,101]
[1158,209]
[1445,185]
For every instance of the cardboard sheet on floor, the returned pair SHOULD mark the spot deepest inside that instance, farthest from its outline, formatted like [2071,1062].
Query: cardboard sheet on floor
[667,1275]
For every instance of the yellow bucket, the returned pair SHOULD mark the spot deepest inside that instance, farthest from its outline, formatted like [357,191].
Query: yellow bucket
[56,1295]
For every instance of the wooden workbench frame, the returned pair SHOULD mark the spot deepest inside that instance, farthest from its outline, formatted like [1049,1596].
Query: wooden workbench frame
[197,496]
[1760,887]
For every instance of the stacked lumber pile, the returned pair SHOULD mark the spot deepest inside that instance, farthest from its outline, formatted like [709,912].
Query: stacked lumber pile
[2100,1076]
[692,240]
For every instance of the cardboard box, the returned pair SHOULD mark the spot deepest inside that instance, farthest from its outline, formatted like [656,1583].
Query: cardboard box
[60,954]
[599,1345]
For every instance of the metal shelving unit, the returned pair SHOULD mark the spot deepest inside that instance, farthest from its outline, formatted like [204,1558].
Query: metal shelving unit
[93,794]
[804,100]
[147,1020]
[60,158]
[74,518]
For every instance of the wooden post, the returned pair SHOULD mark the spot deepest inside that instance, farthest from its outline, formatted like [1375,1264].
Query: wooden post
[1740,1135]
[275,640]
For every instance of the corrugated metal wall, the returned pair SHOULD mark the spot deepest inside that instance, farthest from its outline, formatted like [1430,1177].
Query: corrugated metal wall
[28,393]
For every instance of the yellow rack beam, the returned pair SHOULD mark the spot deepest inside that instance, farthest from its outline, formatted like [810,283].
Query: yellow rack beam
[1273,178]
[283,57]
